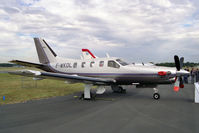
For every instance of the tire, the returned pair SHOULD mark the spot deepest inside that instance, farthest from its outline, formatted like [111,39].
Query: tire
[82,96]
[156,96]
[93,96]
[123,90]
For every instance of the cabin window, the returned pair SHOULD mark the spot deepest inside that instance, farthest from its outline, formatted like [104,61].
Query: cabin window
[75,65]
[101,63]
[92,64]
[113,64]
[83,64]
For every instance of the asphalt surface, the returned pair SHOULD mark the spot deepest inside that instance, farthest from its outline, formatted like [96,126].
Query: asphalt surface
[133,112]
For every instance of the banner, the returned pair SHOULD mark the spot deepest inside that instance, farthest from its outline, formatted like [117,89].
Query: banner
[196,92]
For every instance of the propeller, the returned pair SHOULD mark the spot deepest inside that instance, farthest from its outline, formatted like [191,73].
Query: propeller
[177,62]
[179,81]
[181,62]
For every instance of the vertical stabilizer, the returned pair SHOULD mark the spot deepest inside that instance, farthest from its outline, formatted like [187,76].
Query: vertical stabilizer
[45,53]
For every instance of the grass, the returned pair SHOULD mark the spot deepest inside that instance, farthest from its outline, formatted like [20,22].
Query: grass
[20,89]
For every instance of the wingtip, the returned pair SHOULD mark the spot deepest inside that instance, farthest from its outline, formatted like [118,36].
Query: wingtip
[12,61]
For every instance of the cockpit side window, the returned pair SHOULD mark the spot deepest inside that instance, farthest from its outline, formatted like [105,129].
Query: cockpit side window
[112,63]
[121,62]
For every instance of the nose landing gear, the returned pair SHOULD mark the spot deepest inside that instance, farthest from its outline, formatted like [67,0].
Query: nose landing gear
[156,95]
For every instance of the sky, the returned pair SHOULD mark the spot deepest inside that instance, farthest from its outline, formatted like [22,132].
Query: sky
[136,30]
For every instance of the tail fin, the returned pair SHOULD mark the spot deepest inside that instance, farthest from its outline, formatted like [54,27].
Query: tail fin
[45,53]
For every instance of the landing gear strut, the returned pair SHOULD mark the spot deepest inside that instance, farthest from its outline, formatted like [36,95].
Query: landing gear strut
[156,95]
[87,95]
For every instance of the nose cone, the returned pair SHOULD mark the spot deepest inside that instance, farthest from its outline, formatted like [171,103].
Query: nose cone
[182,73]
[185,72]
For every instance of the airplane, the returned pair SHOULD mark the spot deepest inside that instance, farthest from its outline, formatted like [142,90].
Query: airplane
[101,72]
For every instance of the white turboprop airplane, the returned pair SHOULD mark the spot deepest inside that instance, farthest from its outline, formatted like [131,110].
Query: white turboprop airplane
[101,72]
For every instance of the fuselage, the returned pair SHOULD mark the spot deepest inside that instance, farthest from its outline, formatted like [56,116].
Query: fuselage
[114,68]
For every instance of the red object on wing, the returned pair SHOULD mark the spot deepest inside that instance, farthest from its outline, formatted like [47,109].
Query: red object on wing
[162,73]
[176,88]
[86,50]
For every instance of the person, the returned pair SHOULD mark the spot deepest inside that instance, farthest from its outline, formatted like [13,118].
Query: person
[192,75]
[186,77]
[197,75]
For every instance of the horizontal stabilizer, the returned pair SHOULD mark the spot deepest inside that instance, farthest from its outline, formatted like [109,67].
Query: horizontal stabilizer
[29,64]
[87,54]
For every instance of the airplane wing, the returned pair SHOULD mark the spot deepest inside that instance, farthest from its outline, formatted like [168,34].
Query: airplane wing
[65,77]
[29,64]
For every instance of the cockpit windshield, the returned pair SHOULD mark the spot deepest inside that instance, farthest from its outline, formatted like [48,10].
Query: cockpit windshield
[123,63]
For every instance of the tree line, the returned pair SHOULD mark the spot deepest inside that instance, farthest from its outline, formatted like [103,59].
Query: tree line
[172,64]
[9,65]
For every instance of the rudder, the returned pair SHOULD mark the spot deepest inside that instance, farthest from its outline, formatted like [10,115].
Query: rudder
[45,53]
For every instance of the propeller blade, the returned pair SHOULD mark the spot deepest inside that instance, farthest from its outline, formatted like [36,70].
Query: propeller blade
[177,84]
[177,62]
[181,62]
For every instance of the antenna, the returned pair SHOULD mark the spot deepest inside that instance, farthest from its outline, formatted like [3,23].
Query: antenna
[81,57]
[107,55]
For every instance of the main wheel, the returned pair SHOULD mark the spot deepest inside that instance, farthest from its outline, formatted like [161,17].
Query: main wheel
[156,96]
[118,89]
[122,90]
[92,97]
[82,96]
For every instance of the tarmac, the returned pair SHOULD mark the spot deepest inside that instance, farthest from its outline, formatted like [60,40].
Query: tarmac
[133,112]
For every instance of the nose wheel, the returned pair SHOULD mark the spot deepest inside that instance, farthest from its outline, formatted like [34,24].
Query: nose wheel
[156,95]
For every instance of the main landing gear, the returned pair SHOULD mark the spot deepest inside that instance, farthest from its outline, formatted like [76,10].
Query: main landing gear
[87,95]
[118,89]
[93,96]
[156,95]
